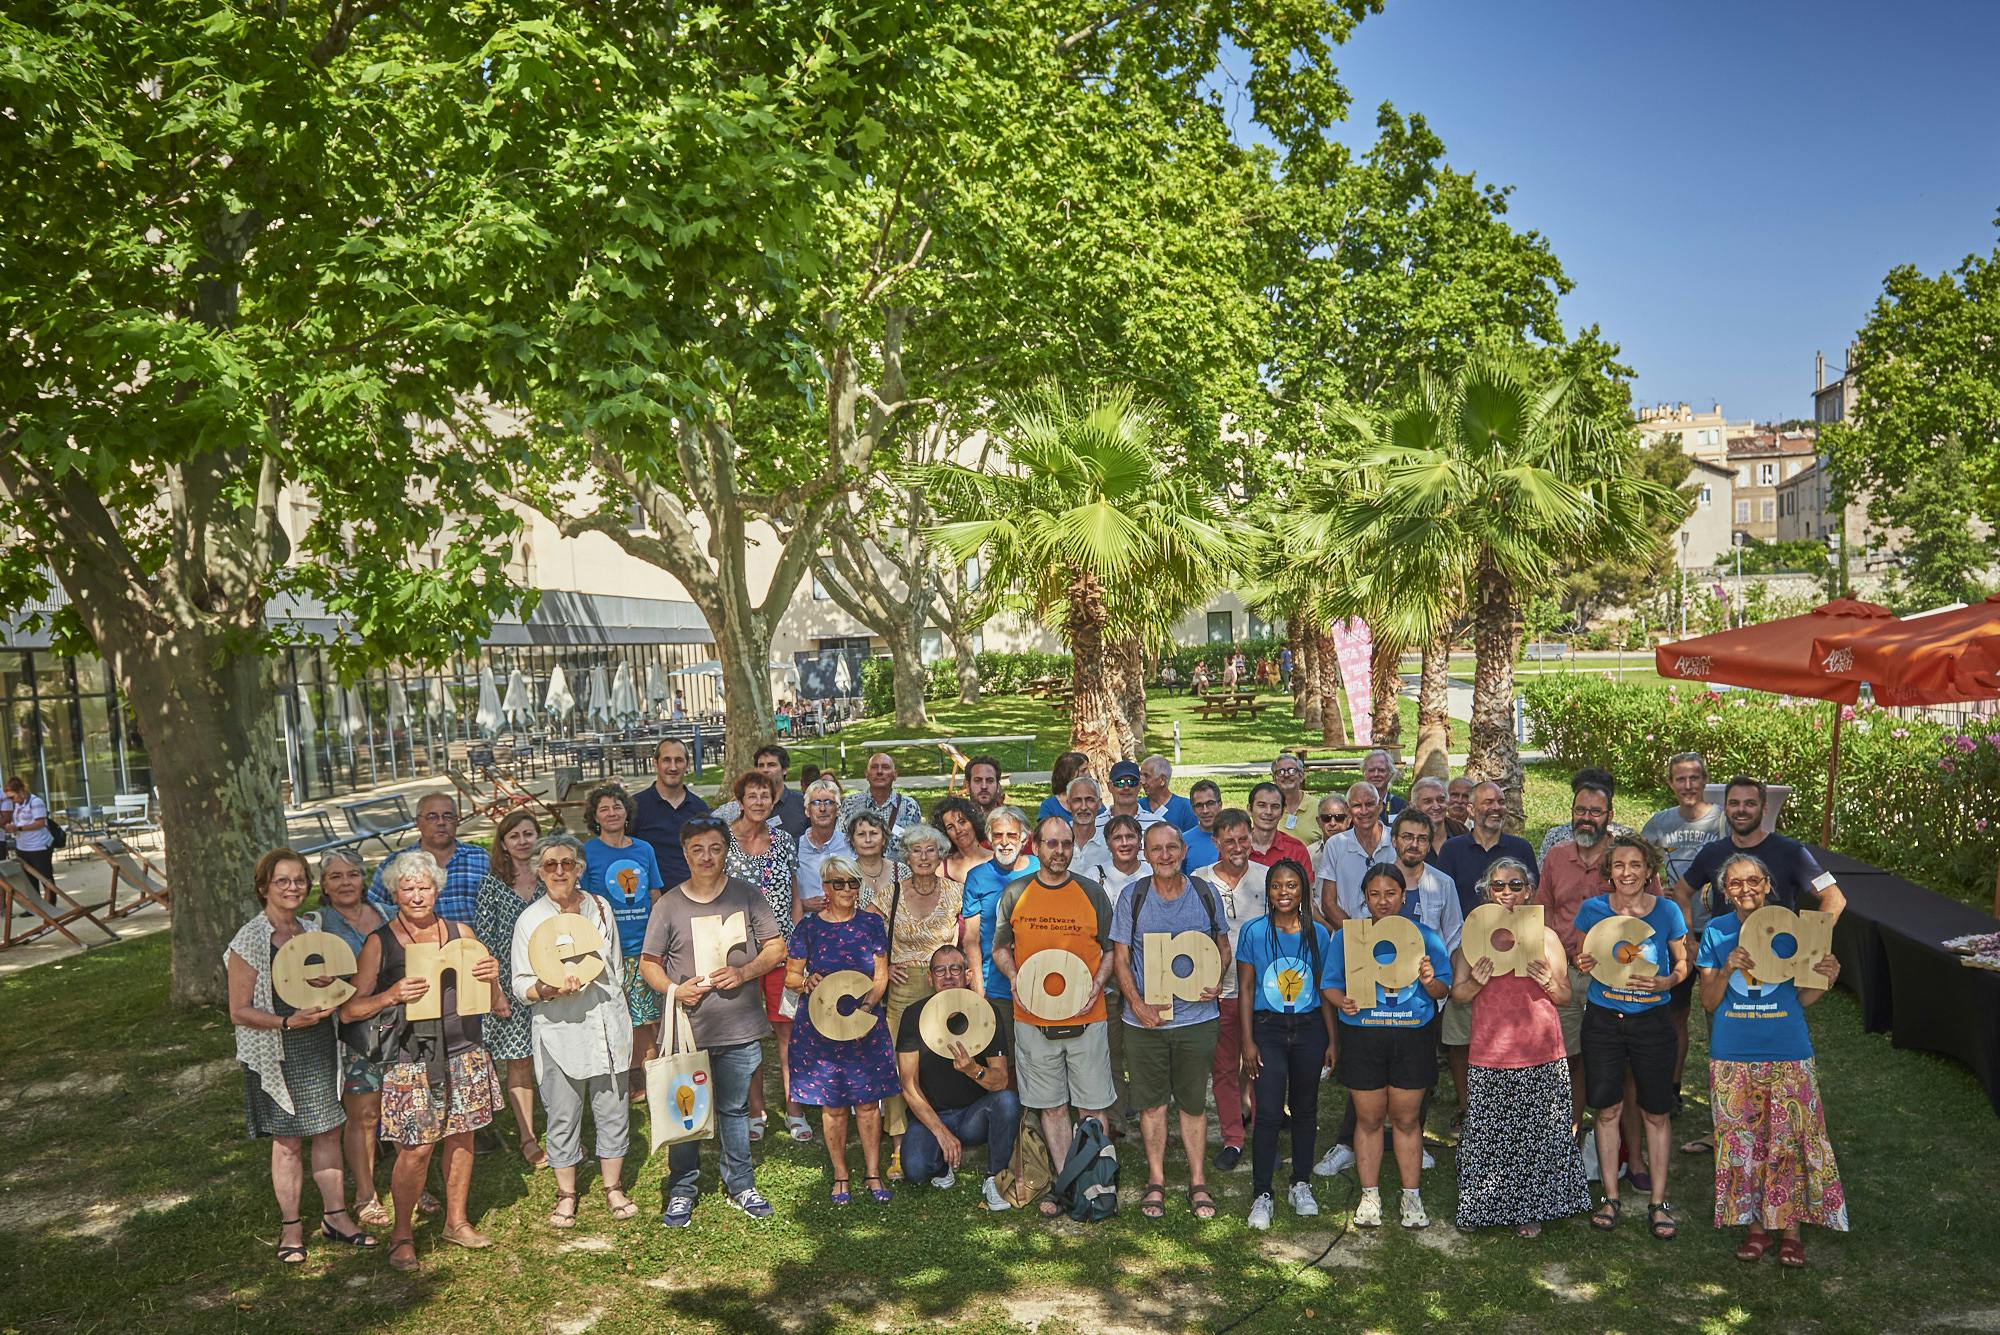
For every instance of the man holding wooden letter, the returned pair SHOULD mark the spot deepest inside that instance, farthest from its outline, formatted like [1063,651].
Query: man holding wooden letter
[1171,1016]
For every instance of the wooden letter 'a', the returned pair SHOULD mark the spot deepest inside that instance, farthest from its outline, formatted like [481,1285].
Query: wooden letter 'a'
[1052,985]
[824,1005]
[424,960]
[1488,920]
[311,955]
[1360,936]
[1810,929]
[934,1021]
[714,937]
[1163,987]
[566,944]
[1614,945]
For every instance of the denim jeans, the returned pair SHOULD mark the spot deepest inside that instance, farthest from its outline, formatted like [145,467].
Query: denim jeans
[992,1120]
[1290,1050]
[733,1069]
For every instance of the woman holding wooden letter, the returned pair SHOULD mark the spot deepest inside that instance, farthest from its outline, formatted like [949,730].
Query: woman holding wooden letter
[567,964]
[1774,1167]
[843,1063]
[1518,1165]
[1635,951]
[290,1054]
[1388,1035]
[440,1086]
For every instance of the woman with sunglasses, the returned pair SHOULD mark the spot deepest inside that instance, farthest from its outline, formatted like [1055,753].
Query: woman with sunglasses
[844,1076]
[580,1031]
[1774,1166]
[1287,1031]
[1331,818]
[1518,1165]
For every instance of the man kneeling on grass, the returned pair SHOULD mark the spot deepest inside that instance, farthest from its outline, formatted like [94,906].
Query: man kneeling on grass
[957,1101]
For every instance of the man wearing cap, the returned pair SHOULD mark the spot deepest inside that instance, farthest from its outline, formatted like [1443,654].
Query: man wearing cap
[1127,786]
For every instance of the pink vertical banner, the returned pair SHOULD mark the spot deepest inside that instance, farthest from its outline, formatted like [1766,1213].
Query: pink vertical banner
[1354,648]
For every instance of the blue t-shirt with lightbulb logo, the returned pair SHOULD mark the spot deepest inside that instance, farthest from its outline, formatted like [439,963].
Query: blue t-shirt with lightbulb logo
[1755,1022]
[1282,965]
[1668,925]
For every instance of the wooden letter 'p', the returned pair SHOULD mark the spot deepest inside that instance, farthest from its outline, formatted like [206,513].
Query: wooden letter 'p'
[1360,936]
[1163,987]
[430,962]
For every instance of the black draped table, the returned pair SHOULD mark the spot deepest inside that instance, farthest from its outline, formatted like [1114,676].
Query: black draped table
[1890,943]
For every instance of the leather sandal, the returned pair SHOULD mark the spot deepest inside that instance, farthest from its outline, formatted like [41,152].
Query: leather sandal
[1660,1221]
[624,1209]
[1755,1244]
[397,1261]
[559,1220]
[1792,1254]
[290,1253]
[1201,1202]
[1153,1204]
[355,1239]
[1605,1217]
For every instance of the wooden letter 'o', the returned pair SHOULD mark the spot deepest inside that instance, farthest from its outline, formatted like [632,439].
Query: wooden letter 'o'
[1036,987]
[934,1021]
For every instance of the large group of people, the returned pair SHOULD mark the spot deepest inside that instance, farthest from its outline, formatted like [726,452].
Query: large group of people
[1333,934]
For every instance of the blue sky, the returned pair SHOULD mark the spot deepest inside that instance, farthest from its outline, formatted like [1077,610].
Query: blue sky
[1726,183]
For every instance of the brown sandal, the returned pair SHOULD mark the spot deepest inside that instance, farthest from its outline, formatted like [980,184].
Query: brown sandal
[1201,1201]
[1153,1204]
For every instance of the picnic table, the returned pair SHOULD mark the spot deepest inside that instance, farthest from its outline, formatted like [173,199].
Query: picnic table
[1231,704]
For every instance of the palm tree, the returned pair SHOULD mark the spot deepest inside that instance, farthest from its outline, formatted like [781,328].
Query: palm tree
[1094,531]
[1482,485]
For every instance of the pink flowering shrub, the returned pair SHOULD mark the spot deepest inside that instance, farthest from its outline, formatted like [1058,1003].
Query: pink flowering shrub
[1920,799]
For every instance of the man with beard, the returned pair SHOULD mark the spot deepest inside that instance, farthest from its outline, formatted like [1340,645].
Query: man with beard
[982,784]
[1013,857]
[1589,774]
[1458,807]
[1797,879]
[1573,871]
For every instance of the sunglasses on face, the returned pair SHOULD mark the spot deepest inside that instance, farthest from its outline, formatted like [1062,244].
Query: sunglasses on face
[1507,885]
[841,883]
[1334,818]
[1124,783]
[560,864]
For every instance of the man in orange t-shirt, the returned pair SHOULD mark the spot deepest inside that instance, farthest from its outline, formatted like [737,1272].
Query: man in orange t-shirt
[1061,1061]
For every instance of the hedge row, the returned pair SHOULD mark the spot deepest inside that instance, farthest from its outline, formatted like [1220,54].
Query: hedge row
[1919,799]
[1004,673]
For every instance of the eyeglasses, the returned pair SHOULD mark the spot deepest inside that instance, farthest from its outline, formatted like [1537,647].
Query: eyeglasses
[823,802]
[1288,772]
[289,883]
[949,969]
[560,864]
[704,825]
[442,817]
[840,883]
[1745,882]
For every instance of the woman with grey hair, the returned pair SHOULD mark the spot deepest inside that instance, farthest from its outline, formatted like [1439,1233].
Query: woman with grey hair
[1518,1164]
[1774,1166]
[580,1032]
[346,912]
[922,913]
[440,1085]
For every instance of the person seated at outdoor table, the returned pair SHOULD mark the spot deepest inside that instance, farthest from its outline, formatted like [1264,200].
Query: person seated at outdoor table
[962,822]
[581,1032]
[1198,681]
[1170,676]
[1170,1048]
[1388,1053]
[346,912]
[625,873]
[1774,1166]
[290,1058]
[821,840]
[843,1077]
[923,914]
[958,1101]
[1518,1164]
[440,1086]
[1627,1030]
[1285,1032]
[875,854]
[1068,765]
[512,886]
[768,858]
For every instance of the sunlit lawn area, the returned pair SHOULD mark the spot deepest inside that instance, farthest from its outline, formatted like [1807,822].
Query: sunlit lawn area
[131,1201]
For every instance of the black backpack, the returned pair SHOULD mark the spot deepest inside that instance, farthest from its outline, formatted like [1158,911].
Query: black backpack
[1202,888]
[1087,1187]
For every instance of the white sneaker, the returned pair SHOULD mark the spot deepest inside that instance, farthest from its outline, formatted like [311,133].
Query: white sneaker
[1336,1160]
[994,1200]
[1412,1211]
[1368,1214]
[1302,1200]
[1428,1161]
[1260,1211]
[947,1182]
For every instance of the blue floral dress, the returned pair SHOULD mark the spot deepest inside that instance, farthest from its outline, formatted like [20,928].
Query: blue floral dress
[826,1073]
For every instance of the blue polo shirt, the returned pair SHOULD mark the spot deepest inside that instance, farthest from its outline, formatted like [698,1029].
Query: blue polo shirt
[660,825]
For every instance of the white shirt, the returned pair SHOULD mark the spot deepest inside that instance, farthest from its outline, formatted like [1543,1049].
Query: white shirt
[1343,862]
[1147,819]
[1097,866]
[1240,903]
[588,1033]
[33,841]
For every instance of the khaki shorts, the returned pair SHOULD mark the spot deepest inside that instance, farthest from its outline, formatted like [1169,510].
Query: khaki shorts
[1063,1072]
[1456,1028]
[1571,1014]
[1171,1065]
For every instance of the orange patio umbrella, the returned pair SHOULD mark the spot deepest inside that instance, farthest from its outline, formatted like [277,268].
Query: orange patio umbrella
[1778,656]
[1931,659]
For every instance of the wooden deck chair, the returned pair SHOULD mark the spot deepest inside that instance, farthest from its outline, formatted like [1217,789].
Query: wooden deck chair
[130,868]
[512,793]
[956,787]
[54,918]
[478,805]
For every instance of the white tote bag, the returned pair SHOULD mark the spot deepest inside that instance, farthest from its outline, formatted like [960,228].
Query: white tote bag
[680,1089]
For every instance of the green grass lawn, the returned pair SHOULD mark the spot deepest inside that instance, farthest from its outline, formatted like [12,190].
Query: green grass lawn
[130,1200]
